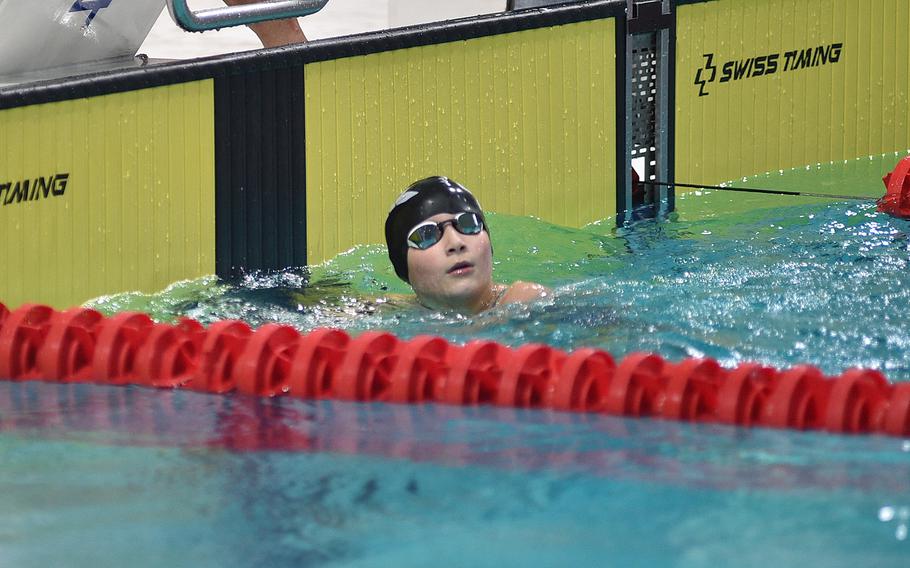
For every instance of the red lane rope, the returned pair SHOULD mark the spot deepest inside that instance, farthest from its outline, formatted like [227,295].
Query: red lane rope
[80,345]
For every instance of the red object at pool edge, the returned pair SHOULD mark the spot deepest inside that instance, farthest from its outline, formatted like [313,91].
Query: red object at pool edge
[896,201]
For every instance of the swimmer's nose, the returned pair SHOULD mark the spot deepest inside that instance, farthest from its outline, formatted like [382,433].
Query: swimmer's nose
[453,240]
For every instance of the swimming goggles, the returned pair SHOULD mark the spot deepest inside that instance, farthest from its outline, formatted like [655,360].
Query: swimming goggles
[428,233]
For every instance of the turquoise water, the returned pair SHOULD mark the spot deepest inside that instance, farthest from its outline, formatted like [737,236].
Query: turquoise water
[109,476]
[113,476]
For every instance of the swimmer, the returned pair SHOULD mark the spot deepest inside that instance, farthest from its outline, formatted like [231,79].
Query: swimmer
[439,243]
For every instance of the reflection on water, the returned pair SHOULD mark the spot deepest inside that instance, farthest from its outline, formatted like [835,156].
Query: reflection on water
[691,455]
[95,474]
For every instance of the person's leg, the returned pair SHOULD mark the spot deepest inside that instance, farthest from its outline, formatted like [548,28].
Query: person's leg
[276,32]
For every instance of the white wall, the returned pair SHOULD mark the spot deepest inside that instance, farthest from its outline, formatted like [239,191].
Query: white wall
[408,12]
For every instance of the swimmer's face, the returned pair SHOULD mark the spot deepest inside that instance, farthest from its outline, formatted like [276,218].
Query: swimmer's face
[456,272]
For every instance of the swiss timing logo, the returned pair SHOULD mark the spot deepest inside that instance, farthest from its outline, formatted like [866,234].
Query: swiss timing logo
[738,69]
[33,189]
[702,77]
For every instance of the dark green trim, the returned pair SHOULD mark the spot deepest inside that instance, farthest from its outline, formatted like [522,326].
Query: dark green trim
[622,164]
[292,56]
[671,112]
[260,172]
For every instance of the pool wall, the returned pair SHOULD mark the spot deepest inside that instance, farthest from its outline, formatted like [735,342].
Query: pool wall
[113,192]
[502,114]
[778,84]
[288,156]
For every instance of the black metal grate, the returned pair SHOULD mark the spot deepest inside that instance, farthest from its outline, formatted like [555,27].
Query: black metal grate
[648,48]
[643,107]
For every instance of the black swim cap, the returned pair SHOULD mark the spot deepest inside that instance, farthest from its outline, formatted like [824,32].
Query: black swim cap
[419,202]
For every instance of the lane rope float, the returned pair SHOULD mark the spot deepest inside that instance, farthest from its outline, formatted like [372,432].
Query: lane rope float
[81,345]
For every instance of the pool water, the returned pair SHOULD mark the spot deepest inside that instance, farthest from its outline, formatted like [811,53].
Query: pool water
[108,476]
[111,476]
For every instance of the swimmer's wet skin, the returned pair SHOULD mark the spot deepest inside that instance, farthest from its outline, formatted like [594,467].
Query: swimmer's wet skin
[439,243]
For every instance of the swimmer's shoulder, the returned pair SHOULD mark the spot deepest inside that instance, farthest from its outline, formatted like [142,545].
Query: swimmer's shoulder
[520,292]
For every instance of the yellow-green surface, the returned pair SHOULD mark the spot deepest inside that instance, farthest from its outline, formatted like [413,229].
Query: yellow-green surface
[860,177]
[857,107]
[525,120]
[138,210]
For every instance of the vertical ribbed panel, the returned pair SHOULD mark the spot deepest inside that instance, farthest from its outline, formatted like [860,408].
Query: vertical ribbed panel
[138,208]
[856,107]
[525,120]
[260,176]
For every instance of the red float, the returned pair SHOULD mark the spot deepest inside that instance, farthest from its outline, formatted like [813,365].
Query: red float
[583,381]
[635,388]
[896,201]
[119,340]
[21,338]
[420,370]
[896,421]
[857,402]
[527,374]
[223,345]
[690,391]
[168,357]
[474,372]
[741,397]
[366,369]
[194,330]
[798,400]
[316,362]
[69,347]
[264,366]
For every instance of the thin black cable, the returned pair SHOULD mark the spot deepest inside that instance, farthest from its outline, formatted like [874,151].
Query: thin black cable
[760,190]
